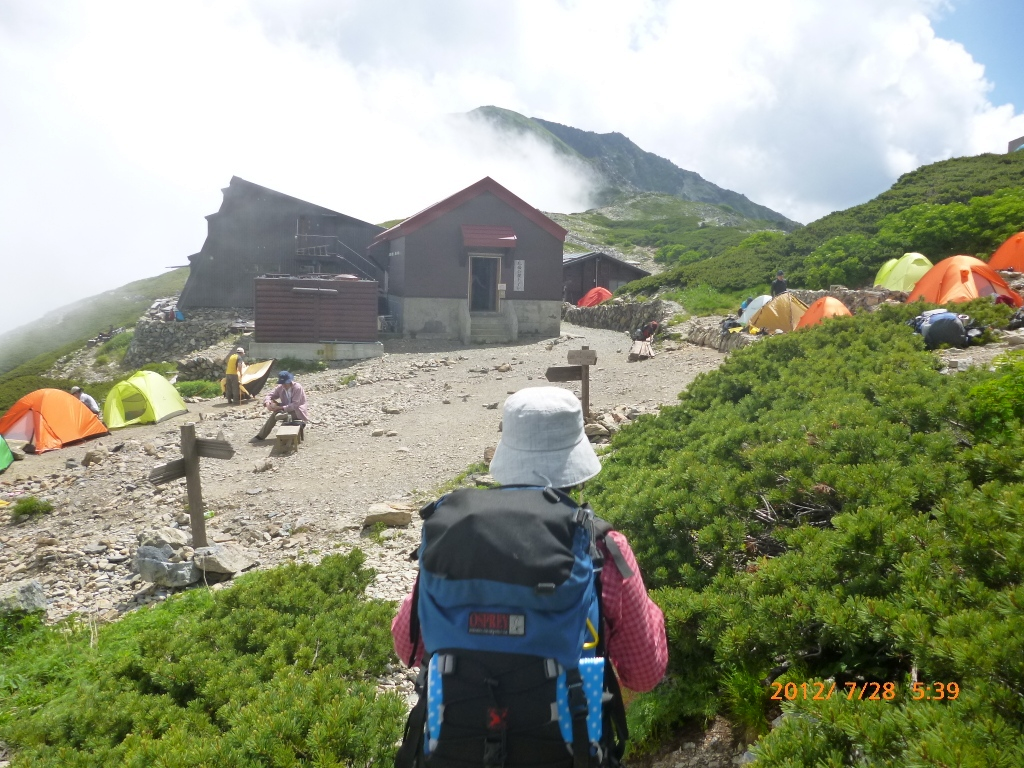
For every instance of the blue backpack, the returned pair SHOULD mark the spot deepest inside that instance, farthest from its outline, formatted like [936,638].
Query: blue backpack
[507,603]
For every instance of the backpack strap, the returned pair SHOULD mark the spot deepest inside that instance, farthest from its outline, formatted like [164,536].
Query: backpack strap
[414,620]
[578,708]
[615,730]
[410,754]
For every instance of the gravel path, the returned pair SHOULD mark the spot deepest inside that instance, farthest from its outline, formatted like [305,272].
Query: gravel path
[429,399]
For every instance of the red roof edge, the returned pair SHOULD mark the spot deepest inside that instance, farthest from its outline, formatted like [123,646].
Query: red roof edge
[486,184]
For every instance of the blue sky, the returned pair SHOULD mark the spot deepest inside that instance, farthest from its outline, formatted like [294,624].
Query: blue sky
[992,31]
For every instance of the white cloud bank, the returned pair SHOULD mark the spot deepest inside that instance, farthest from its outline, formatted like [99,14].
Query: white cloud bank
[121,121]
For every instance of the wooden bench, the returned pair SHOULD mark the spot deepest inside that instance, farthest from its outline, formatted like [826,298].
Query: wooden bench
[288,437]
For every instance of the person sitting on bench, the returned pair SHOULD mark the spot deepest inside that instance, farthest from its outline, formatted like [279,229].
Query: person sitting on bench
[286,403]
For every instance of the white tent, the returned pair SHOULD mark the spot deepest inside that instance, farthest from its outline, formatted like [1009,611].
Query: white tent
[752,308]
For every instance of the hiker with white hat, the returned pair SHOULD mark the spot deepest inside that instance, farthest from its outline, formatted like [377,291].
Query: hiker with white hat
[543,444]
[233,370]
[88,400]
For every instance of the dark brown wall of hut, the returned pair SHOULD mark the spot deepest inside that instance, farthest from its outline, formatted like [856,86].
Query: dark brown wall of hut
[254,233]
[311,310]
[436,264]
[579,277]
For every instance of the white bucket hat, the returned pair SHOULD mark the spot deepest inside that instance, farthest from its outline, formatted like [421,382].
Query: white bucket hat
[542,440]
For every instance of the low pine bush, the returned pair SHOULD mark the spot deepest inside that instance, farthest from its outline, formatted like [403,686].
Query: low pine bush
[279,670]
[30,506]
[828,509]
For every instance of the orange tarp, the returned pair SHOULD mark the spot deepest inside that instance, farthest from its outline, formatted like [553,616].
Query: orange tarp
[824,307]
[594,296]
[961,278]
[49,419]
[1009,255]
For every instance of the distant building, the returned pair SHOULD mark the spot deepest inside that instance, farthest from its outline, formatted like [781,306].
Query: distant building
[582,272]
[1016,144]
[482,265]
[259,231]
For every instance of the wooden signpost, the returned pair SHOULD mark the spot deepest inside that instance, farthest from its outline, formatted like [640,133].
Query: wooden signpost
[578,369]
[188,467]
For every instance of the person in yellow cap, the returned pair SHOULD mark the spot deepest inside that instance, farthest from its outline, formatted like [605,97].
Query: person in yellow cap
[234,368]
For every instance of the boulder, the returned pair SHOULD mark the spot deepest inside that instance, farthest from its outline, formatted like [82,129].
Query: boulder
[154,565]
[22,596]
[93,457]
[384,513]
[172,537]
[223,558]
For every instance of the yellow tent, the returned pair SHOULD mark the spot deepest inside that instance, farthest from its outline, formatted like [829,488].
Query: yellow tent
[780,314]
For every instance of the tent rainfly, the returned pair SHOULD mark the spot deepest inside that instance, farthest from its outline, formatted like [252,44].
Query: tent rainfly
[903,273]
[961,278]
[50,419]
[752,308]
[1009,255]
[826,306]
[594,296]
[145,397]
[253,379]
[780,314]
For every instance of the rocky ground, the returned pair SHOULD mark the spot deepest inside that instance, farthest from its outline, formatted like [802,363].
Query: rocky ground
[385,431]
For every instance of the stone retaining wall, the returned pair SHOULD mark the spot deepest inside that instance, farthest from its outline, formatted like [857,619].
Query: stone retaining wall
[615,315]
[157,341]
[855,301]
[707,332]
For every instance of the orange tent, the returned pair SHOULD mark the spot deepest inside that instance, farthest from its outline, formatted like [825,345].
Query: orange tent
[1009,255]
[961,278]
[824,307]
[594,296]
[49,419]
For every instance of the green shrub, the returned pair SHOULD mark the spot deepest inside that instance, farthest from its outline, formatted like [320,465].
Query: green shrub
[278,670]
[116,346]
[30,506]
[703,300]
[829,505]
[198,388]
[101,360]
[295,365]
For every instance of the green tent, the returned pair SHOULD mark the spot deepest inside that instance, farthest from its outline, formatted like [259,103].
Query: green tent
[145,397]
[902,274]
[884,271]
[6,457]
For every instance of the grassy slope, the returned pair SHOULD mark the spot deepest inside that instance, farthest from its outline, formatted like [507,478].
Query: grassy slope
[641,224]
[73,324]
[950,181]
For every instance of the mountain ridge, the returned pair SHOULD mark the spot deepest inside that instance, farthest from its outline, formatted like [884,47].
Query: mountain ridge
[624,167]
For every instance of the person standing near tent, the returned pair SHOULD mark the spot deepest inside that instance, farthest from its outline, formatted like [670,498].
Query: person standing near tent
[88,401]
[235,367]
[779,284]
[286,403]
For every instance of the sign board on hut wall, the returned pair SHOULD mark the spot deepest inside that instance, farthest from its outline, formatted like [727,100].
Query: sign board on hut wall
[519,276]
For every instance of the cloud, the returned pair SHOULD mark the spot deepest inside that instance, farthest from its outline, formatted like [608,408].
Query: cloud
[121,121]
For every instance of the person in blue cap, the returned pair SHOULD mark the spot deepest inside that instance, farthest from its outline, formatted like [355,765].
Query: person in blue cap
[286,403]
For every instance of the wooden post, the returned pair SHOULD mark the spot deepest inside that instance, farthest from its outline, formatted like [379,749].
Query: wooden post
[190,454]
[584,358]
[585,389]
